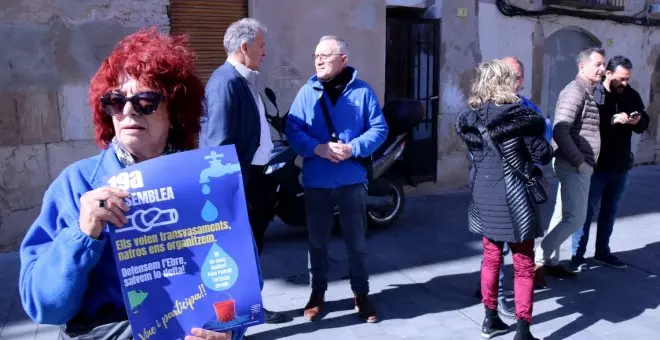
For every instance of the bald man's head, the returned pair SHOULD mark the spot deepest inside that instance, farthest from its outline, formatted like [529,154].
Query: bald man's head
[518,67]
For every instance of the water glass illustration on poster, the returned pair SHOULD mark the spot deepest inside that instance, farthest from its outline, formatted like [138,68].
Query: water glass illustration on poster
[185,258]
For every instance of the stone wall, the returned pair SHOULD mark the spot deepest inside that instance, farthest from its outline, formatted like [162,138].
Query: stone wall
[50,50]
[459,54]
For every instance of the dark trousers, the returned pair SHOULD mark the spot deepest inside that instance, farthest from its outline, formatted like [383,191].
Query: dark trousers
[319,208]
[523,282]
[605,191]
[108,323]
[260,196]
[112,331]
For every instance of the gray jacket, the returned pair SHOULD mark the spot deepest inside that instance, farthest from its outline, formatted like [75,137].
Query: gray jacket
[576,132]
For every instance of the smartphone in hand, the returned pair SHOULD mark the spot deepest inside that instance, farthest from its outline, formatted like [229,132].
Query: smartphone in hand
[635,114]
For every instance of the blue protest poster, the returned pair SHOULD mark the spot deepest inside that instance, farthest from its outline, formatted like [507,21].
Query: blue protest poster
[185,258]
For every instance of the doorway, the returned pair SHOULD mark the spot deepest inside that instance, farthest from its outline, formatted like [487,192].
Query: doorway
[412,70]
[560,63]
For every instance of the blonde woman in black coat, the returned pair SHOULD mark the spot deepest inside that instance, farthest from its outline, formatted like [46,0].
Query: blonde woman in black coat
[501,211]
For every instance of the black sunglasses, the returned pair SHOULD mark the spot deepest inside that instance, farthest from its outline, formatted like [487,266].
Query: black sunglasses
[144,103]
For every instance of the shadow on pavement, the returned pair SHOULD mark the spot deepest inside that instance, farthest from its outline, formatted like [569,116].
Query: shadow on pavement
[394,302]
[433,232]
[596,295]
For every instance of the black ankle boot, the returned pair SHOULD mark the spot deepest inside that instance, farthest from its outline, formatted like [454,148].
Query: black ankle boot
[523,332]
[493,325]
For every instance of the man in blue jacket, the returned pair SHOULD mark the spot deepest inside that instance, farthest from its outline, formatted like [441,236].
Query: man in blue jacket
[237,115]
[519,68]
[333,173]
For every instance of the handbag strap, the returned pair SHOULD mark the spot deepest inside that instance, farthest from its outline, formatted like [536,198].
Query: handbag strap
[328,119]
[493,145]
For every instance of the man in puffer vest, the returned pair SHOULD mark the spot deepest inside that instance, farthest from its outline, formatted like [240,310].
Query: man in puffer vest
[622,112]
[576,142]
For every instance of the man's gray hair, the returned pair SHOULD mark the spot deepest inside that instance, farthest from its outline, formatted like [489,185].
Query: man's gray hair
[586,53]
[342,45]
[241,31]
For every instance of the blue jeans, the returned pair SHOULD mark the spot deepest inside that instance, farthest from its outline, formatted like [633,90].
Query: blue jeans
[500,286]
[319,210]
[606,191]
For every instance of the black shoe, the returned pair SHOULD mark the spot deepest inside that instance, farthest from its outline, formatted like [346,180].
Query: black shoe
[493,325]
[365,308]
[610,261]
[314,306]
[579,264]
[523,332]
[506,309]
[274,318]
[558,271]
[539,277]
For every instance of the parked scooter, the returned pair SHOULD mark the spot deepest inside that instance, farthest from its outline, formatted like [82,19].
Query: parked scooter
[386,198]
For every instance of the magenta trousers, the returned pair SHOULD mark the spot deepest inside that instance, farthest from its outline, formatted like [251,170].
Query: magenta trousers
[523,283]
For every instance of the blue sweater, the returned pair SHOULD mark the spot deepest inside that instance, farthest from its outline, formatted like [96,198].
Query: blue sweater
[548,124]
[358,120]
[64,272]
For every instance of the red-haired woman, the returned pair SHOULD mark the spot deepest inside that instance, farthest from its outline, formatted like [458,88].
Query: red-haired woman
[147,101]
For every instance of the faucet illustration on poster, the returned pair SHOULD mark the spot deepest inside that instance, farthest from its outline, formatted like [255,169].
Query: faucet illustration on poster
[186,257]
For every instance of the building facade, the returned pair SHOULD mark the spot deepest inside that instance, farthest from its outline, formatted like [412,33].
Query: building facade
[548,46]
[421,49]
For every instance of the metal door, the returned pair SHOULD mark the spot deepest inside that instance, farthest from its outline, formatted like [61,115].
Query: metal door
[412,66]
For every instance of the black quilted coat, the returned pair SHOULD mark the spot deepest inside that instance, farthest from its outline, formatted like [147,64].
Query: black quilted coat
[500,208]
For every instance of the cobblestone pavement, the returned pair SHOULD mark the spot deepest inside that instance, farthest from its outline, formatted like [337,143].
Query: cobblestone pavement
[424,270]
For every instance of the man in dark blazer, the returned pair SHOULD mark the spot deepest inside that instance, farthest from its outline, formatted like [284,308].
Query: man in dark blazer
[237,115]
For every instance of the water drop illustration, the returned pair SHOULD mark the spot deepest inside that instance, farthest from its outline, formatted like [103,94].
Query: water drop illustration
[206,189]
[209,212]
[219,271]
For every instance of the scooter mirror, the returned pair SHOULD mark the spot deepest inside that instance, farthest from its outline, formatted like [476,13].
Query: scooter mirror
[271,96]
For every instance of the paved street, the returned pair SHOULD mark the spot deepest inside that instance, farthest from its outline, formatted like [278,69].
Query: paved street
[424,271]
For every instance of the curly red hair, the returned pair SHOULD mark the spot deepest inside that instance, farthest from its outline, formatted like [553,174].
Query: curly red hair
[163,63]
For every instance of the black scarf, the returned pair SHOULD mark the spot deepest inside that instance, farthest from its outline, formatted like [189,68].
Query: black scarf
[336,85]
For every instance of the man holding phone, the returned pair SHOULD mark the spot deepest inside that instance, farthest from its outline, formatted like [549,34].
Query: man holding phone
[622,112]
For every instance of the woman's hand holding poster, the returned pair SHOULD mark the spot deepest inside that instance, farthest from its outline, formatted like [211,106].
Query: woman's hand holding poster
[186,256]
